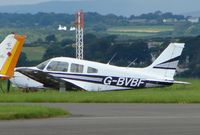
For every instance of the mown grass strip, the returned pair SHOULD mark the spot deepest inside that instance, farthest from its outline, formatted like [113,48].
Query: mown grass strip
[173,94]
[10,112]
[140,31]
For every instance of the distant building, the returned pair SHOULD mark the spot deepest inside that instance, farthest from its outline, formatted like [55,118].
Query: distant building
[60,27]
[170,20]
[152,44]
[72,28]
[193,19]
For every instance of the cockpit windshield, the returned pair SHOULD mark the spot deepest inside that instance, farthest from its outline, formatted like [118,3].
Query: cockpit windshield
[42,65]
[58,66]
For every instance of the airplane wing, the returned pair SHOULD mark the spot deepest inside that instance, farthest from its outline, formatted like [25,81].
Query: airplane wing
[45,78]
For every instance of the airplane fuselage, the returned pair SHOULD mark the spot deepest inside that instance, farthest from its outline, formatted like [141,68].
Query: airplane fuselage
[95,76]
[92,76]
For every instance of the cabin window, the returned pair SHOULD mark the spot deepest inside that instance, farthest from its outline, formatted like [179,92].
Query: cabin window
[42,65]
[92,70]
[58,66]
[76,68]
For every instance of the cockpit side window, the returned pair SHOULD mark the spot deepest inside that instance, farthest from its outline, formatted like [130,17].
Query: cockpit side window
[42,65]
[58,66]
[76,68]
[92,70]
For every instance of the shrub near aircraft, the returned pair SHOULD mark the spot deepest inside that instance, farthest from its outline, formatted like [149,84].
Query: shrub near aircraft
[93,76]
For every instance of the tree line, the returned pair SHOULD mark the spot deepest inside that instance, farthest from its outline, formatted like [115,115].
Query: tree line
[91,18]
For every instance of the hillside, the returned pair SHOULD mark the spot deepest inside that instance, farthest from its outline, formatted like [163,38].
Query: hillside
[134,37]
[69,7]
[53,6]
[38,26]
[117,7]
[59,6]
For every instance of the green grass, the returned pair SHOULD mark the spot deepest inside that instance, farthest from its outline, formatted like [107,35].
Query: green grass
[9,112]
[132,34]
[34,53]
[140,31]
[173,94]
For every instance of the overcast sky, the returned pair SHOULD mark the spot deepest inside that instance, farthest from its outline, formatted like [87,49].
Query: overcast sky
[138,6]
[19,2]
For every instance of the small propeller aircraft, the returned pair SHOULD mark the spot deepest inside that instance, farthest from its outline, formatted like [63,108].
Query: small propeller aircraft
[10,50]
[70,73]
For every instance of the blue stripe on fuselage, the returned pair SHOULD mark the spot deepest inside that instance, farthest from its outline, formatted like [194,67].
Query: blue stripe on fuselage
[108,80]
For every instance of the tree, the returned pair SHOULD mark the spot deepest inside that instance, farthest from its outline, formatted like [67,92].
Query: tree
[22,60]
[59,51]
[66,42]
[51,38]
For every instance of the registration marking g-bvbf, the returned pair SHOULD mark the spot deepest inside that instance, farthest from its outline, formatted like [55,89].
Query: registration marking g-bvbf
[123,81]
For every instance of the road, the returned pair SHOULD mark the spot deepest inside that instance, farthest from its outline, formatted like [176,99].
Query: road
[112,119]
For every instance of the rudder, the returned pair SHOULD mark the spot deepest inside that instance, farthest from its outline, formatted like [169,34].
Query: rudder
[10,51]
[165,65]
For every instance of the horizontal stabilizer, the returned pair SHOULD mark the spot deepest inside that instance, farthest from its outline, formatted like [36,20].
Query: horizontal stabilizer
[3,76]
[167,81]
[180,82]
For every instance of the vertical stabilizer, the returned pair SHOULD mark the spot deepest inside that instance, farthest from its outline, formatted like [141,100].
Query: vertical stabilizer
[165,65]
[10,50]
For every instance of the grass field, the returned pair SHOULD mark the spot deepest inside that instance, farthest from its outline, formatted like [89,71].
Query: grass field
[173,94]
[34,53]
[140,31]
[33,34]
[9,112]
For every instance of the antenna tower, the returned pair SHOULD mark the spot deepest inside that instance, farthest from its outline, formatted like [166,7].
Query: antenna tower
[79,34]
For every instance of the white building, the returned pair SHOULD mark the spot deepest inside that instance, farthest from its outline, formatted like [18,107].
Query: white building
[193,19]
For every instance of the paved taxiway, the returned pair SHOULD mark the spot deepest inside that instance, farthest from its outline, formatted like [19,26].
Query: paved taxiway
[112,119]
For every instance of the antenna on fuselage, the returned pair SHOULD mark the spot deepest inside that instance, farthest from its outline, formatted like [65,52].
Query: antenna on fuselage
[112,58]
[132,62]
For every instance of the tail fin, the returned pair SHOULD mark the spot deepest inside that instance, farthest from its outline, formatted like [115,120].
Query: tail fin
[165,65]
[10,50]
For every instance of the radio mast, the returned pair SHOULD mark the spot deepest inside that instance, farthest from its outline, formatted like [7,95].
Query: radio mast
[79,34]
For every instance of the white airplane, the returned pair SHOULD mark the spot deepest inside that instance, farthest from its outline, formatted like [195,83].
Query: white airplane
[10,50]
[93,76]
